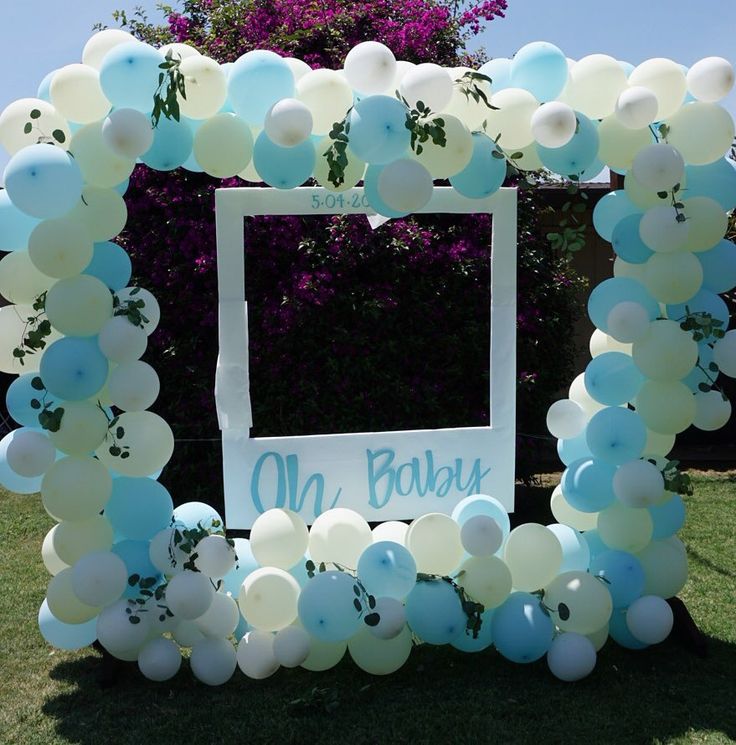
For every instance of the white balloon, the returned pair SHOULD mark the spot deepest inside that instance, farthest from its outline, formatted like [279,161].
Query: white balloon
[117,634]
[405,185]
[481,535]
[392,618]
[710,79]
[213,661]
[179,50]
[150,308]
[553,124]
[712,411]
[215,556]
[566,418]
[133,386]
[391,530]
[99,578]
[221,618]
[159,659]
[628,321]
[724,354]
[127,132]
[288,122]
[650,619]
[256,657]
[291,646]
[428,83]
[370,67]
[661,231]
[638,483]
[187,633]
[636,107]
[189,594]
[659,167]
[31,454]
[571,656]
[120,341]
[99,44]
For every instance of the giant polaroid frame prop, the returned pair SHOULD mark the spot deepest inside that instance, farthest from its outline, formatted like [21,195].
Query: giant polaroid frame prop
[381,475]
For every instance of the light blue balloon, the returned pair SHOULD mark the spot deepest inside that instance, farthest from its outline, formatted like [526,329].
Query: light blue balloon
[613,379]
[595,543]
[573,449]
[122,187]
[627,67]
[627,242]
[387,569]
[245,564]
[704,301]
[15,226]
[283,167]
[484,175]
[616,290]
[522,631]
[74,368]
[299,571]
[378,133]
[623,575]
[540,68]
[465,642]
[499,71]
[618,630]
[43,181]
[575,156]
[668,518]
[326,607]
[139,508]
[18,400]
[575,551]
[242,628]
[588,484]
[69,636]
[370,185]
[610,210]
[256,81]
[129,75]
[593,170]
[111,265]
[135,555]
[719,267]
[172,145]
[616,435]
[716,180]
[434,613]
[482,504]
[44,87]
[696,376]
[8,477]
[191,514]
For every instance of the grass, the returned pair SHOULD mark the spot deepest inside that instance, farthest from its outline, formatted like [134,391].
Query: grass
[662,695]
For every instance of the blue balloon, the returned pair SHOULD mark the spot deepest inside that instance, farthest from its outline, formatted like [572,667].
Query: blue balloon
[616,290]
[588,484]
[299,571]
[704,301]
[465,641]
[627,67]
[627,242]
[43,181]
[522,631]
[137,561]
[575,156]
[719,267]
[667,518]
[256,81]
[327,607]
[111,265]
[8,477]
[610,210]
[122,187]
[370,185]
[387,569]
[242,628]
[378,133]
[44,87]
[701,374]
[573,449]
[575,551]
[283,167]
[139,507]
[593,170]
[245,564]
[192,514]
[622,573]
[499,71]
[18,400]
[613,379]
[172,145]
[616,435]
[434,613]
[74,368]
[618,630]
[129,76]
[484,175]
[595,543]
[15,226]
[69,636]
[540,68]
[482,504]
[716,180]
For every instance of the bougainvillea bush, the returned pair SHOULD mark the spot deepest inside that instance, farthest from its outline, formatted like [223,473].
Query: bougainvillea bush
[351,329]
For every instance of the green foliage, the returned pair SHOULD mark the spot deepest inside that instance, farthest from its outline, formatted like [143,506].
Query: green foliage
[35,331]
[423,126]
[57,136]
[472,610]
[131,309]
[364,602]
[49,417]
[336,154]
[468,84]
[171,85]
[676,480]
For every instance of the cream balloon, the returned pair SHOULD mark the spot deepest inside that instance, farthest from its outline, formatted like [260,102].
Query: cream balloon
[352,175]
[20,280]
[471,112]
[206,86]
[586,599]
[51,561]
[666,80]
[443,162]
[79,306]
[428,83]
[566,514]
[268,599]
[636,107]
[102,211]
[63,602]
[43,118]
[710,79]
[328,97]
[658,444]
[340,536]
[665,567]
[179,50]
[595,83]
[534,556]
[76,93]
[513,118]
[324,655]
[73,539]
[707,222]
[221,618]
[434,542]
[600,343]
[13,320]
[223,145]
[380,656]
[666,407]
[625,528]
[619,143]
[76,488]
[673,278]
[299,68]
[623,268]
[712,411]
[83,428]
[60,247]
[702,132]
[100,166]
[666,352]
[724,354]
[99,44]
[133,386]
[279,538]
[486,579]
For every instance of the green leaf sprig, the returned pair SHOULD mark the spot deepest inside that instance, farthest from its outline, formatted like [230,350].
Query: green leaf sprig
[132,309]
[468,84]
[570,238]
[56,137]
[423,125]
[675,480]
[49,417]
[364,602]
[676,203]
[336,153]
[35,331]
[472,609]
[171,85]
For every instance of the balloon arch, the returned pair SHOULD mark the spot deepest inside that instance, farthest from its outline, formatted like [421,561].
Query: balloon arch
[147,580]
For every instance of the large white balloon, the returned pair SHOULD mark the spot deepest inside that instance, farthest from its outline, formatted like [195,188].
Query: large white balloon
[553,124]
[159,659]
[370,67]
[255,656]
[288,122]
[428,83]
[710,79]
[650,619]
[636,107]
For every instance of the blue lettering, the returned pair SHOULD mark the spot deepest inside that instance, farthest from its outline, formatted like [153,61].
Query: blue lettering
[255,481]
[384,471]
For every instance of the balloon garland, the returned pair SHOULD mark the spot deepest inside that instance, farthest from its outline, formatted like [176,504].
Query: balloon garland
[146,579]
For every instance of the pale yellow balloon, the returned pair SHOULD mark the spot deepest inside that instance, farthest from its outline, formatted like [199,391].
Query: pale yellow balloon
[566,514]
[150,442]
[77,95]
[250,174]
[625,528]
[20,280]
[445,161]
[323,655]
[486,579]
[666,407]
[13,319]
[434,542]
[666,352]
[76,488]
[79,306]
[529,160]
[659,444]
[353,171]
[15,117]
[74,538]
[102,211]
[268,599]
[534,556]
[206,86]
[587,599]
[180,50]
[702,132]
[665,567]
[673,278]
[64,604]
[83,428]
[60,247]
[99,44]
[708,224]
[223,145]
[470,112]
[279,538]
[595,84]
[513,119]
[601,342]
[623,268]
[327,95]
[380,656]
[51,561]
[599,637]
[100,166]
[642,196]
[666,80]
[619,144]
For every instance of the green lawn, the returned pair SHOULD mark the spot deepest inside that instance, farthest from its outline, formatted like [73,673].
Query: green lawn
[664,694]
